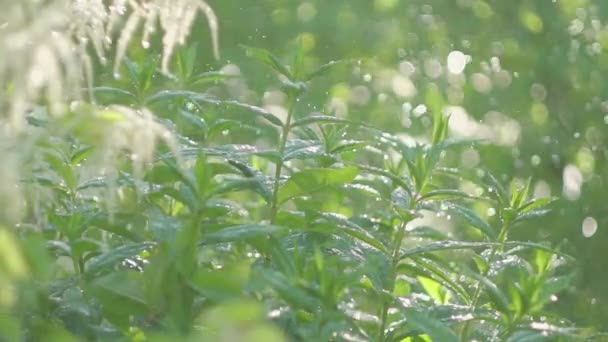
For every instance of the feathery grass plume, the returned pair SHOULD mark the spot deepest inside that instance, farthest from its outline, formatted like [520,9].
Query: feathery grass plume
[88,24]
[11,196]
[176,19]
[136,131]
[45,63]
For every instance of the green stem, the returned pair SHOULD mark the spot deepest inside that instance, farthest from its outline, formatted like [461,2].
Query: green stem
[502,237]
[274,205]
[394,262]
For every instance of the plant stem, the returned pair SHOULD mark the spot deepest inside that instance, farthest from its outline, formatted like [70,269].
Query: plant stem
[502,237]
[394,261]
[274,205]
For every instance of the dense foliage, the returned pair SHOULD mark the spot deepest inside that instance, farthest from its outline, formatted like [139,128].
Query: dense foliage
[345,170]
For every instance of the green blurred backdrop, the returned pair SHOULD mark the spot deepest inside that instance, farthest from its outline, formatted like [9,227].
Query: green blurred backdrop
[533,86]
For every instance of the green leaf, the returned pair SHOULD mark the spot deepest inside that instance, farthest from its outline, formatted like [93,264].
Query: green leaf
[325,68]
[441,273]
[224,284]
[473,219]
[195,121]
[531,215]
[536,203]
[210,77]
[287,291]
[519,194]
[443,194]
[324,119]
[269,59]
[115,256]
[241,233]
[398,180]
[313,180]
[530,336]
[81,155]
[354,230]
[115,92]
[254,184]
[457,245]
[498,298]
[243,106]
[434,289]
[434,328]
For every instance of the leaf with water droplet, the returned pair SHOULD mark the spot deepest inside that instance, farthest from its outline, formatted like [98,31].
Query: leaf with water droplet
[458,245]
[439,273]
[536,204]
[531,215]
[443,194]
[354,230]
[210,77]
[269,59]
[106,261]
[325,68]
[241,233]
[324,119]
[436,330]
[314,180]
[473,219]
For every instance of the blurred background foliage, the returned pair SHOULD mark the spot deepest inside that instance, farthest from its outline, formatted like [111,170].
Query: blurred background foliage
[533,83]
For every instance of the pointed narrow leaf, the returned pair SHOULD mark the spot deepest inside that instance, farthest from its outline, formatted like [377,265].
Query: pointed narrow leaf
[444,194]
[457,245]
[473,219]
[241,233]
[536,203]
[325,68]
[327,119]
[434,328]
[267,58]
[313,180]
[115,256]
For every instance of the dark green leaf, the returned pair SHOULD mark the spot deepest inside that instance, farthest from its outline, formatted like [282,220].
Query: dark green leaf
[435,329]
[241,233]
[313,180]
[269,59]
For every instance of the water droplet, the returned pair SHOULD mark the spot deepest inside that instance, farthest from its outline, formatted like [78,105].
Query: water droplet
[116,75]
[225,132]
[589,227]
[457,61]
[367,77]
[535,160]
[145,44]
[491,212]
[606,119]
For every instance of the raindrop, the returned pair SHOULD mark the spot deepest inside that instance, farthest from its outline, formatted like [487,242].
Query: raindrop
[457,61]
[116,75]
[367,77]
[606,119]
[535,160]
[225,132]
[573,181]
[589,227]
[420,110]
[491,212]
[145,44]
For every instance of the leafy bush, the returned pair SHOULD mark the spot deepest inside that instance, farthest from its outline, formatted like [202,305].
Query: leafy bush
[216,219]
